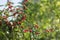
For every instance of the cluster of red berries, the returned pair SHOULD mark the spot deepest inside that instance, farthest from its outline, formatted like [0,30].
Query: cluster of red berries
[30,31]
[49,30]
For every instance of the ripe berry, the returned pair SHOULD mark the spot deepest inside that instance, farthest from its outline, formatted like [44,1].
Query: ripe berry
[10,7]
[24,17]
[25,30]
[30,30]
[19,22]
[25,0]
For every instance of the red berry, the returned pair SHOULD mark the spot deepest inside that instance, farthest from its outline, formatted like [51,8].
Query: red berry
[10,7]
[19,22]
[25,0]
[30,30]
[24,17]
[25,30]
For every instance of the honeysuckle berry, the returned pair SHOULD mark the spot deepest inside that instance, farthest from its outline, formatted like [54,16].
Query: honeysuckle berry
[19,22]
[25,30]
[30,30]
[10,7]
[25,0]
[24,17]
